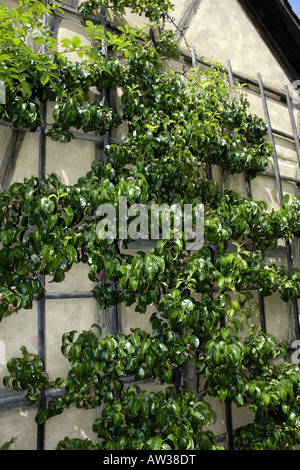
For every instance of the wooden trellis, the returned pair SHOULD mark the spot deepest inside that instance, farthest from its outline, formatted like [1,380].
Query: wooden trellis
[9,399]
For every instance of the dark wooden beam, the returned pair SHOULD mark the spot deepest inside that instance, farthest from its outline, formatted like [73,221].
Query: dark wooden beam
[185,21]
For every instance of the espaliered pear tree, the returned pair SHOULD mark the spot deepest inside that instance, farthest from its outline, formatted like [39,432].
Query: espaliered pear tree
[175,126]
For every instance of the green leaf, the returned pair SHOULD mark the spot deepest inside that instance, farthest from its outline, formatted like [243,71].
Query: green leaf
[161,262]
[252,388]
[224,333]
[66,42]
[151,273]
[235,354]
[140,374]
[285,408]
[160,246]
[160,420]
[47,252]
[18,252]
[70,385]
[51,220]
[175,293]
[266,398]
[111,445]
[79,368]
[223,394]
[7,445]
[71,253]
[26,90]
[68,215]
[135,406]
[33,286]
[100,367]
[145,408]
[47,205]
[6,236]
[164,349]
[134,283]
[168,376]
[58,276]
[111,343]
[117,419]
[121,443]
[55,262]
[145,345]
[41,416]
[129,348]
[221,281]
[155,443]
[285,199]
[173,438]
[216,355]
[166,446]
[239,399]
[44,78]
[136,340]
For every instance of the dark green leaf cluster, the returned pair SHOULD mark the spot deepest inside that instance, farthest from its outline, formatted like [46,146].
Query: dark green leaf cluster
[277,425]
[152,10]
[150,421]
[97,365]
[72,108]
[176,420]
[27,374]
[237,369]
[271,434]
[30,76]
[175,126]
[47,226]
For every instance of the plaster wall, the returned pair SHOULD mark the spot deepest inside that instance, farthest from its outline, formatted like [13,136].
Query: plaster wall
[219,31]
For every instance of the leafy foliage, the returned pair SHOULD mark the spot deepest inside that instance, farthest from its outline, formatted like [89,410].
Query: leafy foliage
[152,10]
[175,125]
[144,420]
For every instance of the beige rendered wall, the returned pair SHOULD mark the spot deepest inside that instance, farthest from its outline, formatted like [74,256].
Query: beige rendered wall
[219,30]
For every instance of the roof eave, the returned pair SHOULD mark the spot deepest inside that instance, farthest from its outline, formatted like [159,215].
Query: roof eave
[280,29]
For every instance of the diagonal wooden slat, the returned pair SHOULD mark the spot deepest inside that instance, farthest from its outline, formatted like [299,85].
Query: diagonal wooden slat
[10,157]
[186,19]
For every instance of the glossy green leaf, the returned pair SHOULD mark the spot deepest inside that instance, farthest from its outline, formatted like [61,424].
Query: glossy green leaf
[6,236]
[71,253]
[155,443]
[18,251]
[55,261]
[145,345]
[41,416]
